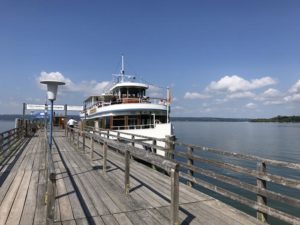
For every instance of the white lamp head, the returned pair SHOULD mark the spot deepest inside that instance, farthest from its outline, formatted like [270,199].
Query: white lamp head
[52,88]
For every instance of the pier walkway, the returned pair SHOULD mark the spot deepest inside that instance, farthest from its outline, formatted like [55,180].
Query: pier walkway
[85,195]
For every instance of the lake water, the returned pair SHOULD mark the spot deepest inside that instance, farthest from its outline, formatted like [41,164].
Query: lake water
[6,125]
[279,141]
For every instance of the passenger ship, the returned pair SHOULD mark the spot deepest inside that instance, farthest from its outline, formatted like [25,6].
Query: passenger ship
[126,107]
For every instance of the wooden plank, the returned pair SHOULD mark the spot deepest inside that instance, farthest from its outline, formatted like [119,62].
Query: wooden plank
[63,199]
[139,189]
[9,197]
[17,208]
[41,209]
[122,219]
[114,192]
[30,204]
[135,219]
[147,217]
[109,220]
[69,222]
[91,220]
[90,209]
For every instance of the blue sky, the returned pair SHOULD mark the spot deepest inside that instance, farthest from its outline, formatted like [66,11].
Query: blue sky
[221,58]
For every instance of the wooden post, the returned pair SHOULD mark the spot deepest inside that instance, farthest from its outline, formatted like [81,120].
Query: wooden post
[23,116]
[127,172]
[154,144]
[190,162]
[170,146]
[118,136]
[104,157]
[1,146]
[83,135]
[174,219]
[65,120]
[154,151]
[132,142]
[78,134]
[92,145]
[262,200]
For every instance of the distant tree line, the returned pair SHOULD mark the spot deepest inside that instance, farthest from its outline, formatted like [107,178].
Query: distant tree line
[280,119]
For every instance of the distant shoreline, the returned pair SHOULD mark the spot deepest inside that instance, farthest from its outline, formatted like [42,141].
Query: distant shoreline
[277,119]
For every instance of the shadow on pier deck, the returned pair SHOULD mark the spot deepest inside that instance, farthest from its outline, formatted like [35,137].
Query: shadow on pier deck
[84,195]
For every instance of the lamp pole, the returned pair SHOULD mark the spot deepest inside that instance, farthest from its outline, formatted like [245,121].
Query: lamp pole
[51,124]
[52,86]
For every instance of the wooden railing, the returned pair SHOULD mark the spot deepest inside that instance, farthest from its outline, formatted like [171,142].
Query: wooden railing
[10,141]
[111,141]
[258,183]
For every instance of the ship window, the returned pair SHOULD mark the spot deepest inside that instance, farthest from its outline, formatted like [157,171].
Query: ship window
[119,122]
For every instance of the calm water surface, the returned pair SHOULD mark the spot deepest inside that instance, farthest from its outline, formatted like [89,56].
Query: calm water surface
[279,141]
[6,125]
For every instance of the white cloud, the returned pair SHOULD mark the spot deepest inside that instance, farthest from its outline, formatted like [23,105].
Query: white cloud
[271,93]
[86,87]
[246,94]
[235,83]
[195,95]
[251,105]
[295,88]
[292,98]
[273,102]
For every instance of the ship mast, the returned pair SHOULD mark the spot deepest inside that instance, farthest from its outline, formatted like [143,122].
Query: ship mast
[122,69]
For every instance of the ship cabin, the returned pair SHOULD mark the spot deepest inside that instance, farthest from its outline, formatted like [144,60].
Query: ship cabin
[122,113]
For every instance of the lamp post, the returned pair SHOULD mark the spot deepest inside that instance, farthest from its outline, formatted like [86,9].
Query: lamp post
[52,86]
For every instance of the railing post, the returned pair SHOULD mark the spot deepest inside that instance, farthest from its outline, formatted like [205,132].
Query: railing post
[261,200]
[78,134]
[174,219]
[1,146]
[154,144]
[107,134]
[83,141]
[83,135]
[127,172]
[92,146]
[104,157]
[132,142]
[118,136]
[190,162]
[170,146]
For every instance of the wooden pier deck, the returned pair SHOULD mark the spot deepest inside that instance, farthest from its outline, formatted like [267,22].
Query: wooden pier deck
[84,195]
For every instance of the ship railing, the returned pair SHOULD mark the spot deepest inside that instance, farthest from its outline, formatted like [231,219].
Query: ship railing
[133,127]
[125,100]
[268,188]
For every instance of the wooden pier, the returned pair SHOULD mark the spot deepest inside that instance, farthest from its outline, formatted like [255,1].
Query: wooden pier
[94,178]
[87,194]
